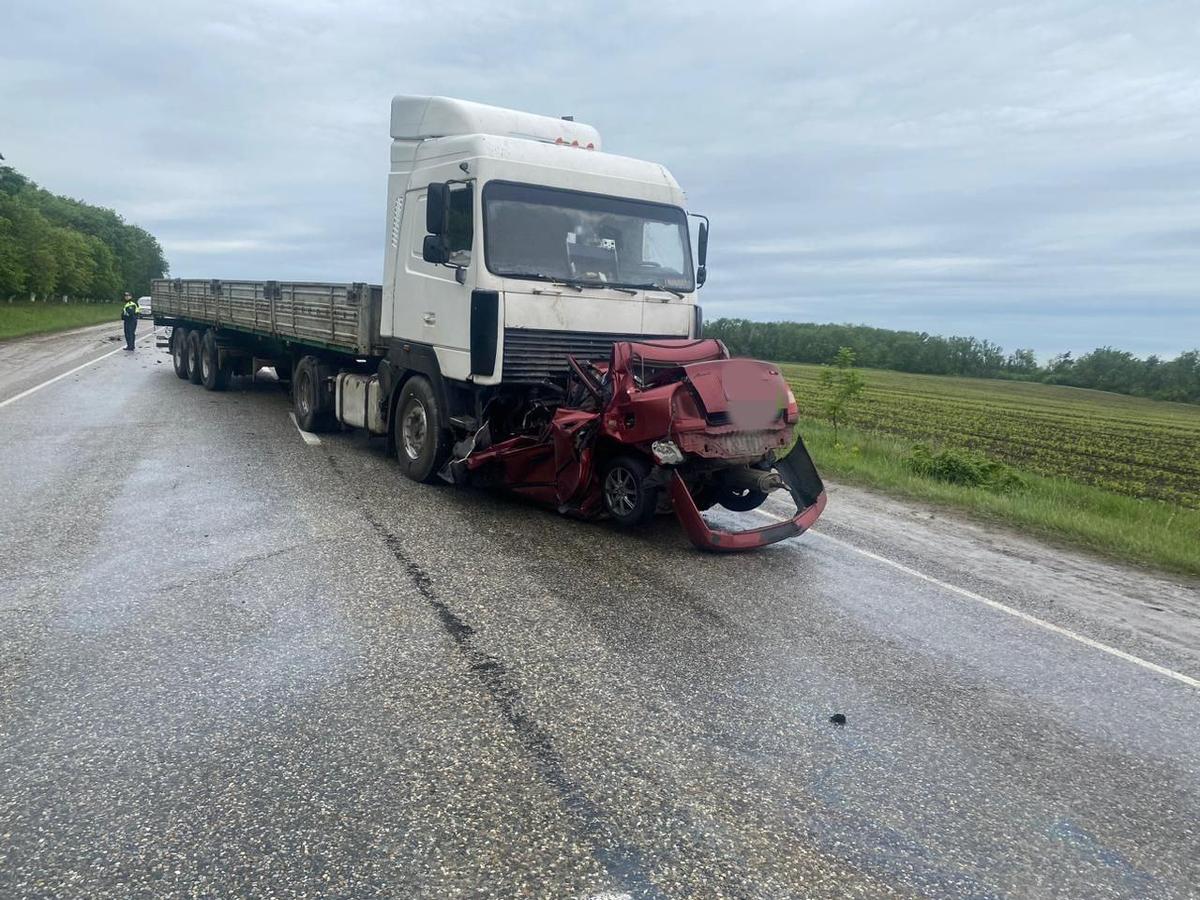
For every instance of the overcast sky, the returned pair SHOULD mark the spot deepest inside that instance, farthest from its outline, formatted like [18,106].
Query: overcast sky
[1025,172]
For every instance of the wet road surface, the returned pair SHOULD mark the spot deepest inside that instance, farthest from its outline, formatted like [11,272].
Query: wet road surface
[233,663]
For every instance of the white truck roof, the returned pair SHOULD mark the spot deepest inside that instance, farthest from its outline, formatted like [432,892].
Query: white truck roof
[419,118]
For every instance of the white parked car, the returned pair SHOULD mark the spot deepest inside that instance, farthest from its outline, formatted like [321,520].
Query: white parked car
[144,308]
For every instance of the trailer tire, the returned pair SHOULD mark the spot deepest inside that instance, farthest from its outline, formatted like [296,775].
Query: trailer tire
[422,441]
[179,351]
[309,400]
[193,356]
[627,497]
[213,375]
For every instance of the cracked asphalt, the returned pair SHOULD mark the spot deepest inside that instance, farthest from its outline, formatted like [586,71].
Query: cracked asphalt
[234,664]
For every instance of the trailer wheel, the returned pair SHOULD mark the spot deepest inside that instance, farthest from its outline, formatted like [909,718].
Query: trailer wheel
[627,497]
[742,500]
[193,357]
[308,395]
[422,444]
[179,351]
[213,375]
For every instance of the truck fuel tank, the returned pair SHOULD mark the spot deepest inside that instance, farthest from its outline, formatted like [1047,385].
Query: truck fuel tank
[358,402]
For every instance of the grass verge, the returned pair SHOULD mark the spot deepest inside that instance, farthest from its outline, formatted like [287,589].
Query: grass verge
[25,319]
[1146,532]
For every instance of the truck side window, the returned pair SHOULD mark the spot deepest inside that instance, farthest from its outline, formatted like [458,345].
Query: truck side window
[461,229]
[661,247]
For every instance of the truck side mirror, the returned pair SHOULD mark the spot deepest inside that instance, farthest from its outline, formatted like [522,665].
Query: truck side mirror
[433,250]
[702,255]
[437,208]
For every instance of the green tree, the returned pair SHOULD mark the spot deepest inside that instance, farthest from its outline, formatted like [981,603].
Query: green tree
[1021,362]
[838,387]
[57,245]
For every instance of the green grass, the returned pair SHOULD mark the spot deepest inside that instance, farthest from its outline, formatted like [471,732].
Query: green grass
[23,319]
[1126,445]
[1116,475]
[1146,532]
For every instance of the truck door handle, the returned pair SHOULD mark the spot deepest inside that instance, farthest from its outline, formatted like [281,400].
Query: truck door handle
[430,318]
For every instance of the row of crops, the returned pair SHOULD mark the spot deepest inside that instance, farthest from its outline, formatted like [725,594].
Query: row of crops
[1140,448]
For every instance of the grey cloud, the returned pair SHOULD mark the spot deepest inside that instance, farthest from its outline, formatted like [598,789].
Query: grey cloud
[1026,173]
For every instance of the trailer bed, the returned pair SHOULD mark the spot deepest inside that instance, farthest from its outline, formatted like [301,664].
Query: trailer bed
[343,317]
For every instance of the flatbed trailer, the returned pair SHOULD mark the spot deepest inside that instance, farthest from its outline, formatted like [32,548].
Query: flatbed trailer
[342,318]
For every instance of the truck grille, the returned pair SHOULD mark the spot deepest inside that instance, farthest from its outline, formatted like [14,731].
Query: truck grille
[533,355]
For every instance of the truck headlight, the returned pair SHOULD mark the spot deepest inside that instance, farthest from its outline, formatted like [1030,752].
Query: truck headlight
[666,453]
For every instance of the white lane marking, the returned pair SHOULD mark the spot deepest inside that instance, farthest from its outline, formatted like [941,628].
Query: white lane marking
[65,374]
[1001,607]
[311,439]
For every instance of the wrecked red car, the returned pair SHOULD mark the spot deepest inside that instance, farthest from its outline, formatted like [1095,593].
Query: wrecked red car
[659,425]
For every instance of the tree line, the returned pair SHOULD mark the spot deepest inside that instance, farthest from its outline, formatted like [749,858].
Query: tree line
[1104,369]
[54,247]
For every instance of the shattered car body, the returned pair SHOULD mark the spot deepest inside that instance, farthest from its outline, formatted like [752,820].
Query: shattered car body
[660,425]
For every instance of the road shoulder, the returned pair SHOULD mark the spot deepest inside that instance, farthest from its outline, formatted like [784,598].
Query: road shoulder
[1152,615]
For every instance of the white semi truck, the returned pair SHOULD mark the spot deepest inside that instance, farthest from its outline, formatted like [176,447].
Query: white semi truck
[536,329]
[512,241]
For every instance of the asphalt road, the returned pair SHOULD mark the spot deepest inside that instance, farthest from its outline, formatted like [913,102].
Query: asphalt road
[235,663]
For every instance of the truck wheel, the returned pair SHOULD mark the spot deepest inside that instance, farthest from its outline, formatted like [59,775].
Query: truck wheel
[213,375]
[193,356]
[422,444]
[627,497]
[179,351]
[742,500]
[309,396]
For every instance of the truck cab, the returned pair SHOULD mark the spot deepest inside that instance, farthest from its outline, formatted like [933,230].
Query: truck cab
[514,240]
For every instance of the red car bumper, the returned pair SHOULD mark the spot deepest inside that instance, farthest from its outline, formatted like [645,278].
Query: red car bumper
[708,538]
[803,484]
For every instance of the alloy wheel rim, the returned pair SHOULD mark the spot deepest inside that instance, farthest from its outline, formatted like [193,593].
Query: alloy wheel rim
[620,489]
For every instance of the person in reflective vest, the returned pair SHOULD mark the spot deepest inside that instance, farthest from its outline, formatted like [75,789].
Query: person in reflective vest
[129,316]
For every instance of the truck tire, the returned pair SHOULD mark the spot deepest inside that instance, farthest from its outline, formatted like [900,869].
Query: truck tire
[193,356]
[422,440]
[310,397]
[179,351]
[627,497]
[213,375]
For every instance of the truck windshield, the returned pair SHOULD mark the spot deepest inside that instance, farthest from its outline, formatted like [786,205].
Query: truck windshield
[568,236]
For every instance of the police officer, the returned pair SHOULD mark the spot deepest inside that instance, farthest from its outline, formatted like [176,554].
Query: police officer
[129,316]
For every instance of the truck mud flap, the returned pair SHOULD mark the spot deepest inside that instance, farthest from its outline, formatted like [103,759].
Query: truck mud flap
[803,483]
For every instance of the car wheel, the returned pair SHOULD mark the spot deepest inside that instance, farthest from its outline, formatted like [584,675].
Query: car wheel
[193,356]
[627,497]
[422,443]
[742,500]
[179,351]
